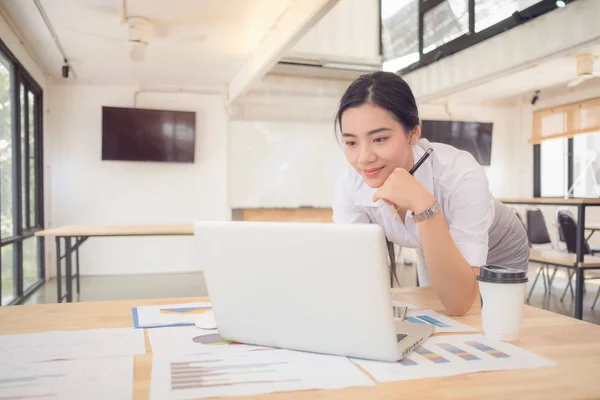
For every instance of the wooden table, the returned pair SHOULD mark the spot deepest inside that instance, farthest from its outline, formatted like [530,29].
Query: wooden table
[574,345]
[581,204]
[80,233]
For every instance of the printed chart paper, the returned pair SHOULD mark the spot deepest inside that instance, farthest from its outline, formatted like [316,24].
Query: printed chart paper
[188,340]
[168,315]
[441,322]
[454,355]
[58,345]
[93,379]
[231,371]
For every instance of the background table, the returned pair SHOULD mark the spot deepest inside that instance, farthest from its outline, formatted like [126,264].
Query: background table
[579,264]
[80,233]
[574,345]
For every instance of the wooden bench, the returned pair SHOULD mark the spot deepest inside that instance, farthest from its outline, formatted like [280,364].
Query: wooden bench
[558,258]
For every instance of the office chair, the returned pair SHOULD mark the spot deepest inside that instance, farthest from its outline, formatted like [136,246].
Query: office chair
[537,233]
[568,226]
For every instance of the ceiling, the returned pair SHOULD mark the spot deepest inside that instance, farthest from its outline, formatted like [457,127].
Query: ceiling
[193,43]
[553,74]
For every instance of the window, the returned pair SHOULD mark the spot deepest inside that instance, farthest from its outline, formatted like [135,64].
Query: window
[399,33]
[554,167]
[567,150]
[415,33]
[586,165]
[21,201]
[490,12]
[444,23]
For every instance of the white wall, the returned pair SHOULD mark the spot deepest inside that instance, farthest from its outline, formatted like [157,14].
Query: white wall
[502,171]
[86,190]
[283,151]
[16,44]
[350,30]
[283,164]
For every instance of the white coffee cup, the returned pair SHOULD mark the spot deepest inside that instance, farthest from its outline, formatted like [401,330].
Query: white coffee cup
[503,295]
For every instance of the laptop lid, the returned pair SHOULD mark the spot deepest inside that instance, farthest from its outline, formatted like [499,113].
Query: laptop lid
[316,287]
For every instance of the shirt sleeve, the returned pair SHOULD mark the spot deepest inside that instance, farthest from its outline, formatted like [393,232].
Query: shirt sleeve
[469,211]
[344,209]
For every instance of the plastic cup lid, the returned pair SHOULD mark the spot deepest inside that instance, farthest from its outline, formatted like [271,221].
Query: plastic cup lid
[497,274]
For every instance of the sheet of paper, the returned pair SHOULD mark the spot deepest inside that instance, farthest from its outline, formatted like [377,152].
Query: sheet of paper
[106,378]
[441,322]
[454,355]
[230,371]
[188,340]
[397,303]
[168,315]
[55,345]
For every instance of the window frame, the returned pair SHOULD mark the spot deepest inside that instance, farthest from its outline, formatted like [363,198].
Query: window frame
[22,231]
[537,170]
[470,38]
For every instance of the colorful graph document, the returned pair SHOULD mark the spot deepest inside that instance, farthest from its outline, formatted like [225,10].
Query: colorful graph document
[187,340]
[107,378]
[168,315]
[454,355]
[57,345]
[441,322]
[234,371]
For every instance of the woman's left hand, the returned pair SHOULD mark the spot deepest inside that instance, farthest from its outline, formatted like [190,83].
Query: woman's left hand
[402,190]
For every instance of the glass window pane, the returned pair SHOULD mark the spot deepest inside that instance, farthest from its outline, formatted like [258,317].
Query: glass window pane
[553,167]
[6,150]
[30,262]
[490,12]
[586,165]
[7,274]
[444,23]
[32,159]
[399,33]
[23,136]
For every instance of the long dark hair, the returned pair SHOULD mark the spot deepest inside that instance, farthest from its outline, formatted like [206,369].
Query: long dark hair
[386,90]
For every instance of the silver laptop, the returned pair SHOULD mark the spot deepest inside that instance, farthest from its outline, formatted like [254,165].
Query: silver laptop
[316,287]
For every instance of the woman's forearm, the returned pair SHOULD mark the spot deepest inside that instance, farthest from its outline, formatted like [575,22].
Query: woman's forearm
[451,276]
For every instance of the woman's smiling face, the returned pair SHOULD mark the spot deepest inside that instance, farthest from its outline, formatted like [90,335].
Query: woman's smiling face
[375,143]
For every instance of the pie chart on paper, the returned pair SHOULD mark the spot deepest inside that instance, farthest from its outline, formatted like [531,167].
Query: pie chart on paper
[213,339]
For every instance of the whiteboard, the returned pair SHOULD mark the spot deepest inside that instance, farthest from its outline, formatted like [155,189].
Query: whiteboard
[282,164]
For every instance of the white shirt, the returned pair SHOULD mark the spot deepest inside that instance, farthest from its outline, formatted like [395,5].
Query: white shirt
[453,177]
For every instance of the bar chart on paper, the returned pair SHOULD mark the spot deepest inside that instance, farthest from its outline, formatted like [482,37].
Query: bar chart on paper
[240,371]
[202,374]
[441,322]
[97,379]
[454,355]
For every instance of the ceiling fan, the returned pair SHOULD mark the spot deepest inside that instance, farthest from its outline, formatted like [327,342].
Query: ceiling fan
[141,33]
[585,69]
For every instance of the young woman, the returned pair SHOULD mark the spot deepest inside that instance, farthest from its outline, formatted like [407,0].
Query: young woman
[444,210]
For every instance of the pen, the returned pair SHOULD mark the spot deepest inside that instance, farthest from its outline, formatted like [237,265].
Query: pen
[416,167]
[420,161]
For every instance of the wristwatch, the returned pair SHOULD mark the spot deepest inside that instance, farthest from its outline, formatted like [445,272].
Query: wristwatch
[428,213]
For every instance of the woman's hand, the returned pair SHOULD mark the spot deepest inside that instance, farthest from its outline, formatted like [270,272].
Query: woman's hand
[402,190]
